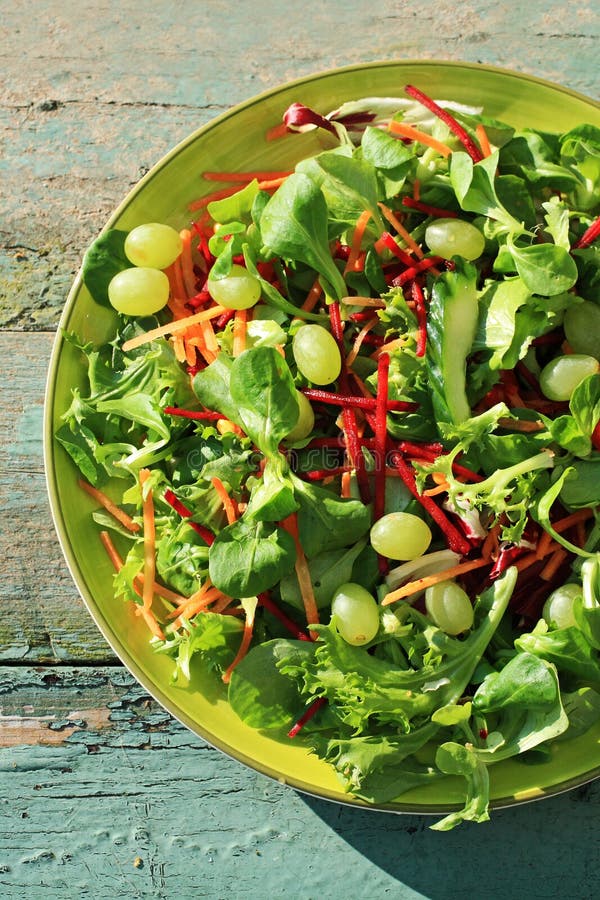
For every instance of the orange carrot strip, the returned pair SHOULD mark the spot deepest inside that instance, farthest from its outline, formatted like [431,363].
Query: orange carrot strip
[357,237]
[271,184]
[303,574]
[439,489]
[396,344]
[427,581]
[580,516]
[345,485]
[187,264]
[228,504]
[483,139]
[246,640]
[491,542]
[393,219]
[361,385]
[171,327]
[278,131]
[208,333]
[162,591]
[403,129]
[416,189]
[117,562]
[554,564]
[202,202]
[580,533]
[222,604]
[196,603]
[313,296]
[543,544]
[115,511]
[149,540]
[178,348]
[358,341]
[244,176]
[178,285]
[240,320]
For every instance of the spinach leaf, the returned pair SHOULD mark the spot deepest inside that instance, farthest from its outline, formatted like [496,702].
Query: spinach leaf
[566,648]
[523,682]
[326,522]
[327,572]
[238,207]
[452,758]
[541,511]
[294,226]
[249,557]
[475,190]
[258,692]
[546,269]
[102,261]
[349,186]
[262,387]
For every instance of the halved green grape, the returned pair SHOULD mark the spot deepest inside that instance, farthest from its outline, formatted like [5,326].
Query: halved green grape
[558,608]
[453,237]
[582,328]
[356,614]
[449,607]
[306,419]
[240,289]
[560,377]
[400,535]
[317,354]
[139,291]
[153,245]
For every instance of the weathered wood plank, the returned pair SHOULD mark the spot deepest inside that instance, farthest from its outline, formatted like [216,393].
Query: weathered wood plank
[42,617]
[104,795]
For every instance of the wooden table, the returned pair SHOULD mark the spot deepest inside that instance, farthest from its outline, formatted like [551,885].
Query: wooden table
[103,794]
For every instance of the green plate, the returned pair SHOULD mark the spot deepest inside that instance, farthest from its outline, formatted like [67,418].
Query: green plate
[236,141]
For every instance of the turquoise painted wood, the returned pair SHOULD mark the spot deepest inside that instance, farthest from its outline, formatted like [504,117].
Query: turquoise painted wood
[102,794]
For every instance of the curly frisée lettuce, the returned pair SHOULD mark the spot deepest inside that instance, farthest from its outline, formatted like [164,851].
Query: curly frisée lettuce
[448,266]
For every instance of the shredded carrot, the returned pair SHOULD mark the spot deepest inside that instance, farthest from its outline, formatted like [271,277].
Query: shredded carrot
[246,640]
[245,176]
[196,604]
[406,236]
[483,139]
[271,184]
[396,344]
[239,331]
[357,237]
[427,581]
[359,339]
[416,189]
[202,202]
[149,540]
[178,285]
[187,264]
[208,333]
[439,489]
[178,348]
[403,129]
[228,504]
[190,354]
[580,533]
[543,544]
[554,564]
[221,604]
[117,562]
[115,511]
[162,591]
[490,544]
[345,485]
[361,385]
[526,561]
[580,516]
[303,574]
[171,327]
[313,296]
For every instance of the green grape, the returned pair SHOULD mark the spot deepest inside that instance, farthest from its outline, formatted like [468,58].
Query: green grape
[560,377]
[558,608]
[140,291]
[317,354]
[582,328]
[400,535]
[356,614]
[453,237]
[240,289]
[153,245]
[306,420]
[449,607]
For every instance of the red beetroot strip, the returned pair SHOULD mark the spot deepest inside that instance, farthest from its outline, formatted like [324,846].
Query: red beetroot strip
[264,600]
[388,240]
[307,716]
[454,538]
[446,117]
[589,236]
[383,375]
[350,400]
[186,513]
[419,299]
[191,414]
[348,413]
[429,210]
[416,269]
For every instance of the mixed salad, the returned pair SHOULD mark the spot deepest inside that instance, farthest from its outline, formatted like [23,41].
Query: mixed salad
[345,442]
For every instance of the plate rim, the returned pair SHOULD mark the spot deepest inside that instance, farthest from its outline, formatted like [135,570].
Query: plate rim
[111,635]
